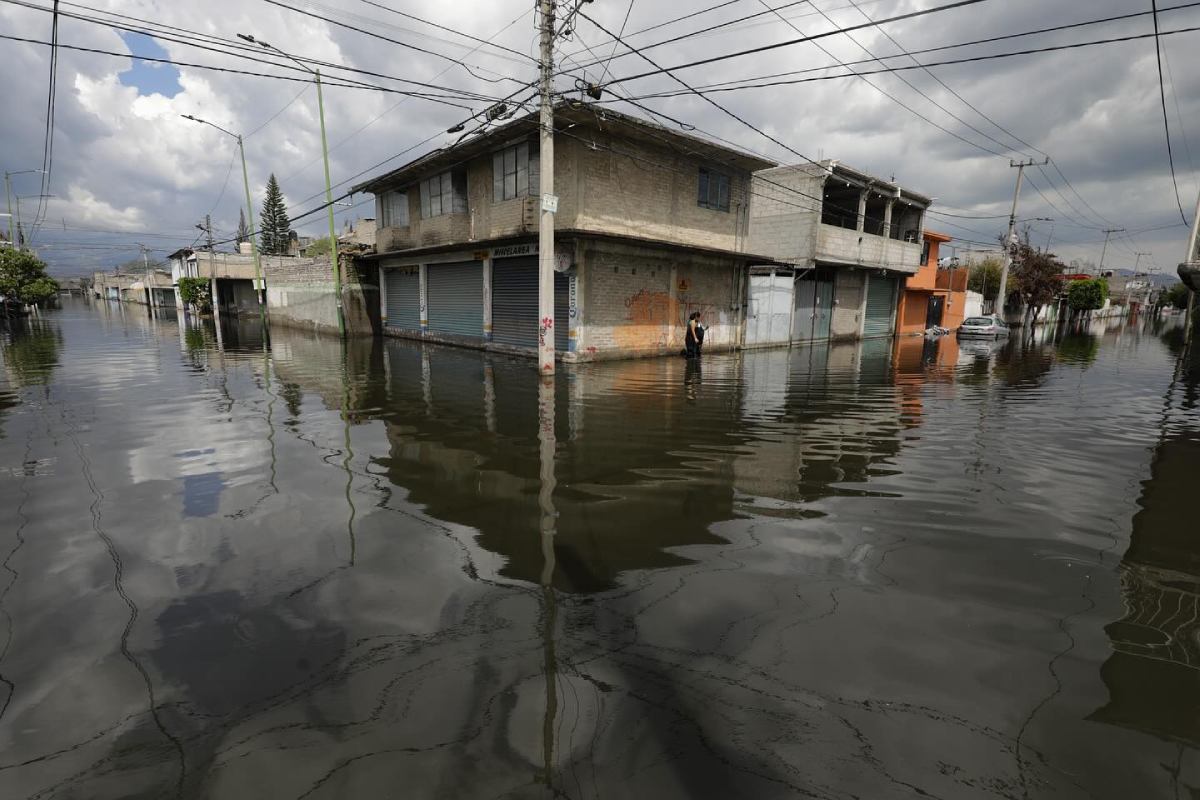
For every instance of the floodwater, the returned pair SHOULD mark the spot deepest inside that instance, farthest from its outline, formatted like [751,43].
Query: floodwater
[234,570]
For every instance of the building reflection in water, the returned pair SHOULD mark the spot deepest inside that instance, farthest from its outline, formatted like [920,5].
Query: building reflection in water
[1153,674]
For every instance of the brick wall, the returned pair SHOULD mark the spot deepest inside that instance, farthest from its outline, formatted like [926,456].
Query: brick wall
[643,190]
[300,293]
[636,300]
[783,215]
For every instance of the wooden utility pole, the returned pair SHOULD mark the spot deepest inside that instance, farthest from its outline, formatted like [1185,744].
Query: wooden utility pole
[998,309]
[549,202]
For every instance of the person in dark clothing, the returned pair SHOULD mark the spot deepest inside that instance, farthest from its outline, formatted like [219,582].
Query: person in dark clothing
[691,338]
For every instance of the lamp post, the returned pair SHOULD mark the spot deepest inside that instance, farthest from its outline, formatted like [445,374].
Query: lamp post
[333,251]
[19,198]
[9,196]
[262,286]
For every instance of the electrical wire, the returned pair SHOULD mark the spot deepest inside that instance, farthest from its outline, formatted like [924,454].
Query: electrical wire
[214,68]
[48,142]
[1162,94]
[380,36]
[777,45]
[237,49]
[481,42]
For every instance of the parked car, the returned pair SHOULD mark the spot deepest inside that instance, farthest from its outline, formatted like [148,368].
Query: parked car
[983,326]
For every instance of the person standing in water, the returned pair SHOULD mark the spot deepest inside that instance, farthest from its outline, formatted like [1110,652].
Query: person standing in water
[691,338]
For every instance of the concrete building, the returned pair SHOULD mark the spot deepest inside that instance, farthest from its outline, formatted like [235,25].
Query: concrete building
[232,277]
[112,285]
[935,295]
[848,239]
[651,225]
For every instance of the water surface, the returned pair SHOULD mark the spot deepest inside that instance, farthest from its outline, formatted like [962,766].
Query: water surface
[235,568]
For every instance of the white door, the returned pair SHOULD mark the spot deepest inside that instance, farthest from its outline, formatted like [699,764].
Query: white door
[769,314]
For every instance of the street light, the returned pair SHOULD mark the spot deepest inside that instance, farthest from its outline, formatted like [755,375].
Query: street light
[337,271]
[8,197]
[20,197]
[262,306]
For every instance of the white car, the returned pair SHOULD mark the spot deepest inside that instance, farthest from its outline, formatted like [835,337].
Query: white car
[990,327]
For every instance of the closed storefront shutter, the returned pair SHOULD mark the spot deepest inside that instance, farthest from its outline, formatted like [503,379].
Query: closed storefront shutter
[515,301]
[881,303]
[403,286]
[454,298]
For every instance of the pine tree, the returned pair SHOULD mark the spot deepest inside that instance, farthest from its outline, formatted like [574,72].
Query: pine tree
[243,233]
[274,227]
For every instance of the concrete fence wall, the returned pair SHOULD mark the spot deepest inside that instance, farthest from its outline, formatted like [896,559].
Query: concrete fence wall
[300,294]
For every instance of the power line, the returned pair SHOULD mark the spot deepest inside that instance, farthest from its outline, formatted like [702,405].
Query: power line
[1162,94]
[375,35]
[941,48]
[232,70]
[235,49]
[481,42]
[902,68]
[48,142]
[777,45]
[621,32]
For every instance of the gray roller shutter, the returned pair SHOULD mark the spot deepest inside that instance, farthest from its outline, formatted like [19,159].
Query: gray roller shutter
[454,298]
[881,304]
[403,297]
[515,301]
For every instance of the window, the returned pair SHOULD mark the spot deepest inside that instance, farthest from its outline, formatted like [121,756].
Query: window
[714,190]
[513,172]
[444,194]
[393,209]
[925,253]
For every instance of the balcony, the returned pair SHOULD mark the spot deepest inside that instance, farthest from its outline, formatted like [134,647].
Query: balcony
[836,245]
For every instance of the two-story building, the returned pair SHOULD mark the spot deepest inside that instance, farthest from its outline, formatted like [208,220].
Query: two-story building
[936,294]
[849,240]
[651,225]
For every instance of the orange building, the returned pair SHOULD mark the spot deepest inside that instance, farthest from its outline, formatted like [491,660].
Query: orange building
[933,296]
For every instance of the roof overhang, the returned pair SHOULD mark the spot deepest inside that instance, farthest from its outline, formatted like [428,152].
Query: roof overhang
[572,119]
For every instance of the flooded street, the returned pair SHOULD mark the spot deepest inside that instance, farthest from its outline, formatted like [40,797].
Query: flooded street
[234,569]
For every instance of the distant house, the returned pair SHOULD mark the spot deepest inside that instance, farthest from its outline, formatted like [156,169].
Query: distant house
[936,295]
[849,240]
[650,226]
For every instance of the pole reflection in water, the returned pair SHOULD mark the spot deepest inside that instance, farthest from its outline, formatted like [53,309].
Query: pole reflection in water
[546,453]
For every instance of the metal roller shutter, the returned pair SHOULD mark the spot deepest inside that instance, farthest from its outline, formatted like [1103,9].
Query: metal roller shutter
[881,303]
[403,297]
[515,301]
[454,298]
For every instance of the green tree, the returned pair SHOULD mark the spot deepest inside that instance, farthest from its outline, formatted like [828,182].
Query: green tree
[23,277]
[1036,276]
[984,277]
[197,293]
[1177,296]
[243,233]
[274,226]
[319,247]
[1087,295]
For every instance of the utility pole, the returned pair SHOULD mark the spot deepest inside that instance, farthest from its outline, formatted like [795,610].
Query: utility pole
[549,203]
[1189,264]
[998,309]
[1107,233]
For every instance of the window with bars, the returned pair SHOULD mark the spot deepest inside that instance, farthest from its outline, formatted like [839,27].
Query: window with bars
[445,193]
[714,190]
[392,209]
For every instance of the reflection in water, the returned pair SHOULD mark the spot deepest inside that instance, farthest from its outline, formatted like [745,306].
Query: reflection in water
[879,569]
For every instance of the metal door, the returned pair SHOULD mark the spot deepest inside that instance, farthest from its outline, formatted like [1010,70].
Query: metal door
[515,301]
[403,285]
[562,311]
[802,320]
[881,306]
[454,298]
[822,309]
[758,321]
[937,306]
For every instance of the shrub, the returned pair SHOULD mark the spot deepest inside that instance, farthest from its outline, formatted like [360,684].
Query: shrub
[197,293]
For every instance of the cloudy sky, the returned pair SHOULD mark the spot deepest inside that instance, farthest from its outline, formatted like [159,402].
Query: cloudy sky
[127,171]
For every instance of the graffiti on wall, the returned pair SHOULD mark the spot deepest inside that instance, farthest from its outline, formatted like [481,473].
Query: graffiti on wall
[648,321]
